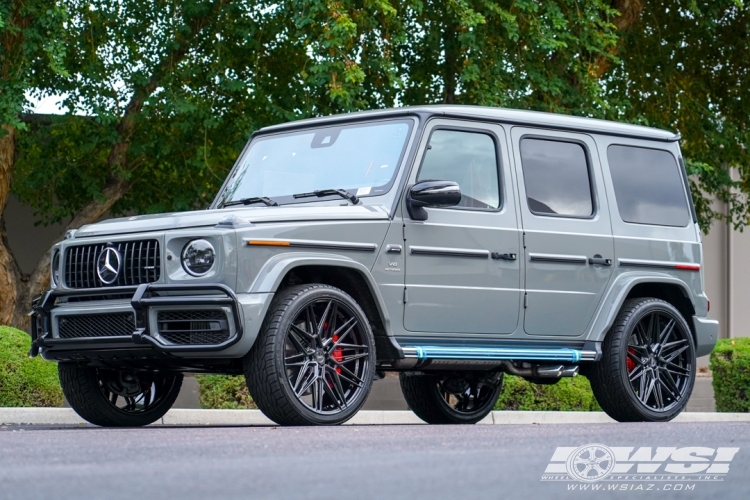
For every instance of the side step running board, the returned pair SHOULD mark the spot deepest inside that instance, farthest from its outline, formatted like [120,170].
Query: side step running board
[499,353]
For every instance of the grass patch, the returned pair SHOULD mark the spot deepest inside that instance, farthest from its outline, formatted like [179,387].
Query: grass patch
[25,381]
[569,394]
[224,392]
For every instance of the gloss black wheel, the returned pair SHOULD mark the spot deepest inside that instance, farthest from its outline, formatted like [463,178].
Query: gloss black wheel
[648,368]
[462,398]
[113,398]
[313,363]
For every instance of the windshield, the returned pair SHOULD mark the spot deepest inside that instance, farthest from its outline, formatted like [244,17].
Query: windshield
[360,158]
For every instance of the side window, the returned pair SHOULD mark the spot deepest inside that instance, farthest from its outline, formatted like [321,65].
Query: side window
[556,175]
[468,158]
[648,186]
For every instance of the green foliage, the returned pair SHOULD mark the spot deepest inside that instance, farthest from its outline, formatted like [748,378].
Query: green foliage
[25,381]
[213,71]
[224,392]
[569,394]
[685,68]
[522,53]
[730,366]
[31,48]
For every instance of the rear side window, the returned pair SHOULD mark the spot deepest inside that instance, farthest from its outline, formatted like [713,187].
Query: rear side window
[556,175]
[648,186]
[469,159]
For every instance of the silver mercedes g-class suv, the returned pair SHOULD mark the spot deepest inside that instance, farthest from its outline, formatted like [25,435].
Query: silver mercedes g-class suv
[451,244]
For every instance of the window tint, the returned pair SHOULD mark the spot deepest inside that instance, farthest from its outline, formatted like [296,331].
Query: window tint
[467,158]
[556,175]
[648,186]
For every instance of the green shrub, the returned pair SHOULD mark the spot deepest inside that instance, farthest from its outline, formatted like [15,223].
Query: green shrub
[730,364]
[569,394]
[25,381]
[223,391]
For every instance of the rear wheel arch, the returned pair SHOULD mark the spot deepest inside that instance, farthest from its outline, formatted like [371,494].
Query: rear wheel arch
[669,292]
[627,287]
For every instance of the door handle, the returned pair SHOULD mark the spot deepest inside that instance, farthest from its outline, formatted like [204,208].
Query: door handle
[503,256]
[600,261]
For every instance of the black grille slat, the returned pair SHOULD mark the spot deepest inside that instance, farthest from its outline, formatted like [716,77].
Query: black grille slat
[96,325]
[193,327]
[86,275]
[148,255]
[140,263]
[81,264]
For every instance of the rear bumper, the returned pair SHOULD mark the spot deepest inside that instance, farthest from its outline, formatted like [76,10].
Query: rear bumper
[706,333]
[143,339]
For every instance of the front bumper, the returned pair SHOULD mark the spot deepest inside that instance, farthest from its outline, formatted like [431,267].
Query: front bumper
[144,298]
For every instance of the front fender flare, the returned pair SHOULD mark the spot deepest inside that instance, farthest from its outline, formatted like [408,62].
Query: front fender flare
[618,291]
[269,278]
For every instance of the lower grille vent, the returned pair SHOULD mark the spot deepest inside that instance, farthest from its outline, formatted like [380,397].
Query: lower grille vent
[200,327]
[96,325]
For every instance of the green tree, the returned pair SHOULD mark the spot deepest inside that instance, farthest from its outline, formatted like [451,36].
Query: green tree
[30,49]
[119,58]
[685,67]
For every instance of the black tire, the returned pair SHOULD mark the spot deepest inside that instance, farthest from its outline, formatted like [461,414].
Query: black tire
[429,396]
[292,357]
[647,371]
[100,397]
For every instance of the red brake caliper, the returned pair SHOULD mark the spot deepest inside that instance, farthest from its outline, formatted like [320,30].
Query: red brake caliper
[629,362]
[338,354]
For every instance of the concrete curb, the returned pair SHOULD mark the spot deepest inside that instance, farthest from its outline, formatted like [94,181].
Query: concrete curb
[66,416]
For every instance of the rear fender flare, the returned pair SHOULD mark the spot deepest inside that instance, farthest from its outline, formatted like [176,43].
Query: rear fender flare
[619,290]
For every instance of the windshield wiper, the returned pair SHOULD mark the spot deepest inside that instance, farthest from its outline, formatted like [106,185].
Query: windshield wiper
[327,192]
[249,201]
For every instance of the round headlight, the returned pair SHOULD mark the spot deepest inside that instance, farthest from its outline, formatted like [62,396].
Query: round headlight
[198,257]
[56,268]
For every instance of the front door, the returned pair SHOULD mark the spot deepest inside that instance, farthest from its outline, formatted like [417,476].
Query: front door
[569,250]
[453,282]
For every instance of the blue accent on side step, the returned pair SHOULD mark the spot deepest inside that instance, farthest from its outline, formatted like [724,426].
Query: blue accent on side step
[514,353]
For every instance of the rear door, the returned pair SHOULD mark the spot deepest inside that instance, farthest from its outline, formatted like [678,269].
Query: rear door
[569,250]
[453,283]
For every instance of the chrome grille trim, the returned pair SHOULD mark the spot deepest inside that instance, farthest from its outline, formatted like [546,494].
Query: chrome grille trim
[141,263]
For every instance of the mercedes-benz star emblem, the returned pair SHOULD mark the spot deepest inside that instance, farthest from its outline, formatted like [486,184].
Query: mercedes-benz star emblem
[108,265]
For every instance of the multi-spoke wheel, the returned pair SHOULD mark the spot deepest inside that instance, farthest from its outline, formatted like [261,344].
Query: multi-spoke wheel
[314,359]
[464,398]
[113,398]
[648,366]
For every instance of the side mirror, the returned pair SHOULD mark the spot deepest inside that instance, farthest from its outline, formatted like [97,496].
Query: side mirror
[431,194]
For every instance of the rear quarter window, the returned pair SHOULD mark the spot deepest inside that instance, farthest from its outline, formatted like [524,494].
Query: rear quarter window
[648,186]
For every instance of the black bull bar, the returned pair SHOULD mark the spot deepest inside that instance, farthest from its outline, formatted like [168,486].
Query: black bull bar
[144,296]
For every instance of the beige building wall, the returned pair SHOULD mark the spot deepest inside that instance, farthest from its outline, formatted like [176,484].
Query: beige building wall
[727,278]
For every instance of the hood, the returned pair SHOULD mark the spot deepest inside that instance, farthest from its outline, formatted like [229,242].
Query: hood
[210,218]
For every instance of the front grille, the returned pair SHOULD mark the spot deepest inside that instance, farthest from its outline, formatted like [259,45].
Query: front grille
[140,263]
[96,325]
[199,327]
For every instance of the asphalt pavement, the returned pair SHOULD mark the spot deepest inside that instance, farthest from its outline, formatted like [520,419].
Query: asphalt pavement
[398,461]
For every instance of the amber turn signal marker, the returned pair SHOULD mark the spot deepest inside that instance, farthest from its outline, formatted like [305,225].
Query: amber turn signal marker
[267,243]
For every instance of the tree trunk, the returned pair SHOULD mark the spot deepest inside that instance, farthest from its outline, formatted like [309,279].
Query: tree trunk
[10,277]
[450,71]
[630,11]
